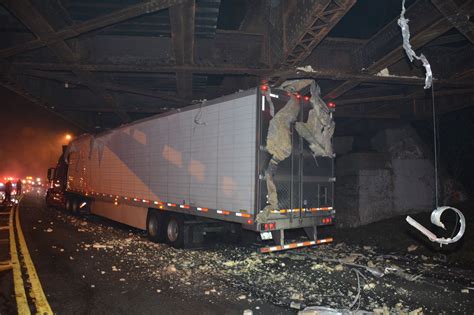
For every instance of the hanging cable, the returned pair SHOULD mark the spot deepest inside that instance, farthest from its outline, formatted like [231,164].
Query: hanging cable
[435,143]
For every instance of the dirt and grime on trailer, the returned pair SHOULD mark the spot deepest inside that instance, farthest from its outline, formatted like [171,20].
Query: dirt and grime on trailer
[341,275]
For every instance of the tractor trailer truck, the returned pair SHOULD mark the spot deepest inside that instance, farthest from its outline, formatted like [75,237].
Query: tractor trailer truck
[259,160]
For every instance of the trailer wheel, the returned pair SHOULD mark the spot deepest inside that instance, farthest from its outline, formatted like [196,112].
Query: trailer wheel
[175,231]
[155,226]
[75,206]
[68,204]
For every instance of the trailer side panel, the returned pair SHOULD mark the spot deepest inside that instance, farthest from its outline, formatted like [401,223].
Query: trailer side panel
[202,157]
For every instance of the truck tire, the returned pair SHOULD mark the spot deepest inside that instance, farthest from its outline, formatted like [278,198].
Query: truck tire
[175,230]
[75,206]
[68,204]
[155,226]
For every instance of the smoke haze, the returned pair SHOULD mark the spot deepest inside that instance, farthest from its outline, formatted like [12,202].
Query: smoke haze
[30,137]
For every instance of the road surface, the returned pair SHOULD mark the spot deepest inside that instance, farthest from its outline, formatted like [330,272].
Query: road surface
[90,265]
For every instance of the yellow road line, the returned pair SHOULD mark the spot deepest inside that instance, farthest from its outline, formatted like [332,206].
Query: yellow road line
[42,305]
[20,294]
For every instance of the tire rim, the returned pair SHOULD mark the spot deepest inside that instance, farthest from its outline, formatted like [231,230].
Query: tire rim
[153,226]
[172,230]
[74,207]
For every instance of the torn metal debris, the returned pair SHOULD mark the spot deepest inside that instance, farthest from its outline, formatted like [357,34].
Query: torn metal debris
[436,220]
[403,23]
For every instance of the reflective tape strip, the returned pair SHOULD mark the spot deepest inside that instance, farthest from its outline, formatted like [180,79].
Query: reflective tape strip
[169,204]
[294,245]
[321,209]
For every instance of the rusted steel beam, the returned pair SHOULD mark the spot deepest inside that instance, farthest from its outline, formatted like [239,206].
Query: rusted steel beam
[228,69]
[13,86]
[32,19]
[182,19]
[91,25]
[385,48]
[104,85]
[458,17]
[306,27]
[397,97]
[138,109]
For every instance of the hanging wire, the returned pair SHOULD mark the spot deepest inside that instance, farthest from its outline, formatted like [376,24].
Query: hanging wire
[435,142]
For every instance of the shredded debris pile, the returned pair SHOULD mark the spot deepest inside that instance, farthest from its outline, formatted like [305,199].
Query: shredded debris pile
[337,276]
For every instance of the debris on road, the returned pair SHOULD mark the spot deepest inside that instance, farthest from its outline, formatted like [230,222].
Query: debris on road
[310,276]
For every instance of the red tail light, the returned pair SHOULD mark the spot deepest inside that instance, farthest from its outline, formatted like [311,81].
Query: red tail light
[332,105]
[269,226]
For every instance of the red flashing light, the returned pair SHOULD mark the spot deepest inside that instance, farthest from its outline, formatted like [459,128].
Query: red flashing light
[306,98]
[332,105]
[264,88]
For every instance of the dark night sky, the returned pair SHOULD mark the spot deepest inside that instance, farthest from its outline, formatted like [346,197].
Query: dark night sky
[30,137]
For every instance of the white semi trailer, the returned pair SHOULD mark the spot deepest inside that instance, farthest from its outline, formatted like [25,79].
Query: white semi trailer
[241,161]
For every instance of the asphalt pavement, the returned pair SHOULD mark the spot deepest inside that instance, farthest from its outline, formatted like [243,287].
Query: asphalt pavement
[79,281]
[91,265]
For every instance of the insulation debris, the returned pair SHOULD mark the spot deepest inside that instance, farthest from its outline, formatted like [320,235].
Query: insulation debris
[436,220]
[319,128]
[279,136]
[307,68]
[279,146]
[403,23]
